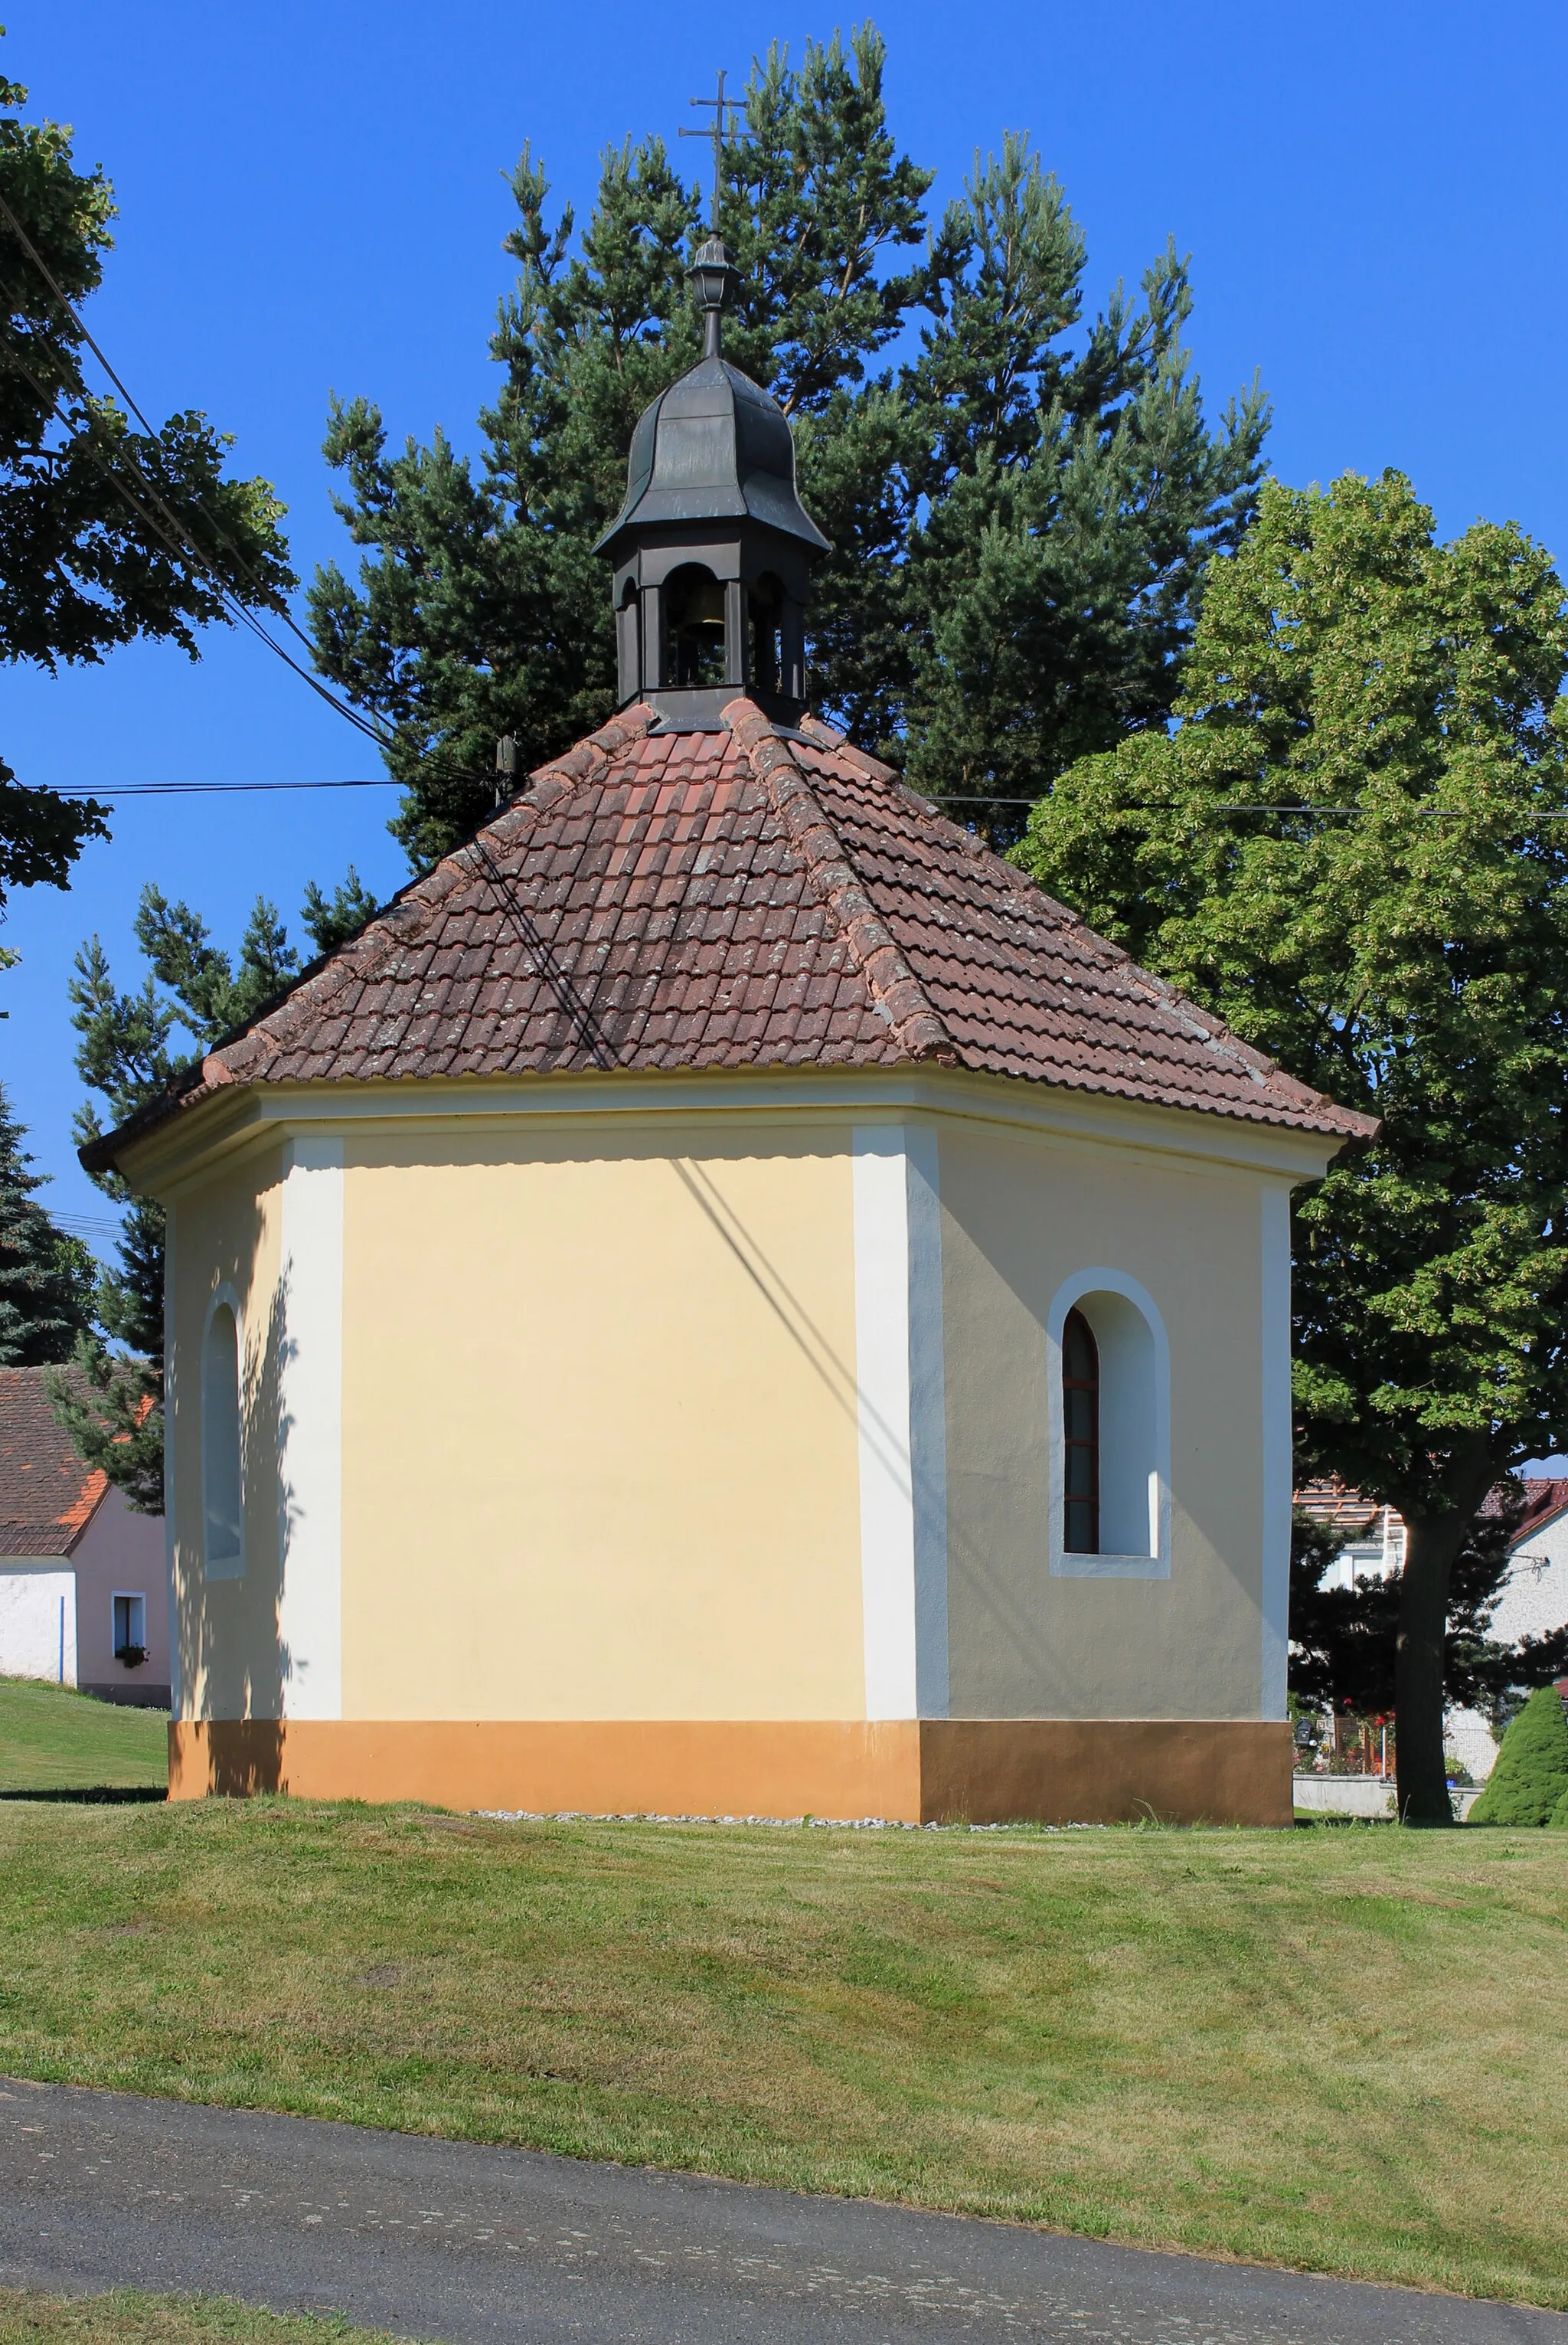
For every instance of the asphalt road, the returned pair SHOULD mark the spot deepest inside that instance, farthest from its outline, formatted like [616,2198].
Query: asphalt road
[451,2241]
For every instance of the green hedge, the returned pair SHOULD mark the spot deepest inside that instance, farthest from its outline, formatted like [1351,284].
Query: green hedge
[1529,1785]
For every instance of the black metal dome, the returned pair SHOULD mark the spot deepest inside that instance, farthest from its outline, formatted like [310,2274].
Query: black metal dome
[713,447]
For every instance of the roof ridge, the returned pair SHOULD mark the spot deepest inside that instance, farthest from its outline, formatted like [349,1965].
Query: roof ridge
[402,922]
[398,924]
[918,1027]
[1201,1023]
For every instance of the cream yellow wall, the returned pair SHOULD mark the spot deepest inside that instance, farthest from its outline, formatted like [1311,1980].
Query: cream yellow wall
[1021,1213]
[599,1427]
[225,1232]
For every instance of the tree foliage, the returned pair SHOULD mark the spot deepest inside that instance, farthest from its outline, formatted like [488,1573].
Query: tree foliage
[107,533]
[128,1053]
[45,1276]
[1397,936]
[1021,507]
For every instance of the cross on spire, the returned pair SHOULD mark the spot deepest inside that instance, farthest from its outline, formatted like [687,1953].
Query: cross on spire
[724,112]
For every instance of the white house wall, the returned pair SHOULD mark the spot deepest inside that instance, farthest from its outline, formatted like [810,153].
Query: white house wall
[38,1620]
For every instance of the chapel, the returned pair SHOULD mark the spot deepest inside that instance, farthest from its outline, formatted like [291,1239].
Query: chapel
[723,1299]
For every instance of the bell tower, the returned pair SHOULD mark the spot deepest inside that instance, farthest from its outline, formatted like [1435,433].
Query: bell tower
[712,549]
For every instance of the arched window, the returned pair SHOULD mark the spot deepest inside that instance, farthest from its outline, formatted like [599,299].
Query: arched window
[1110,1430]
[222,1485]
[1081,1433]
[695,608]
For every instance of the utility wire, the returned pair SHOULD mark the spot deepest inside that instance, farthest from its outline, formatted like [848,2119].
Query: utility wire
[178,543]
[184,548]
[181,544]
[213,790]
[76,318]
[1458,814]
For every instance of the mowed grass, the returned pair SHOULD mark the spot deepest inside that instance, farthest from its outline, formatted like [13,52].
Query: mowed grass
[130,2317]
[1338,2048]
[53,1739]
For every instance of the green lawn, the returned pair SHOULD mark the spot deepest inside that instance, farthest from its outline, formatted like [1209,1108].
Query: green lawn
[129,2317]
[1343,2048]
[54,1740]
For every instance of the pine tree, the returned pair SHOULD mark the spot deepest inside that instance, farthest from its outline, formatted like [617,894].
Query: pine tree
[45,1276]
[1021,512]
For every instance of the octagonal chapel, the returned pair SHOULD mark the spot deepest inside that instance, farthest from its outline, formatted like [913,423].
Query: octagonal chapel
[723,1299]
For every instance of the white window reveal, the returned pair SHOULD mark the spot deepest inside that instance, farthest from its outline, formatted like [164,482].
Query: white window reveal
[222,1480]
[1110,1397]
[130,1629]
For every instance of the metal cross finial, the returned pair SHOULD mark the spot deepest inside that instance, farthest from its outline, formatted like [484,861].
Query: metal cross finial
[723,107]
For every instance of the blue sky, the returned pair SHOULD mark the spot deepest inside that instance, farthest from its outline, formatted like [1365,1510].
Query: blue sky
[312,199]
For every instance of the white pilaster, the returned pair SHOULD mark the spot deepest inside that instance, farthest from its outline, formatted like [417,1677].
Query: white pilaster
[902,1421]
[1276,1476]
[309,1430]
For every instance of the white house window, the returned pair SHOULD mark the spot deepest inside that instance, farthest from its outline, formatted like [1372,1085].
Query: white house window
[130,1629]
[221,1480]
[1110,1430]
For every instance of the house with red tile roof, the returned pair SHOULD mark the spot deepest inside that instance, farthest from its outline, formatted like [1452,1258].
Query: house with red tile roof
[852,1298]
[84,1597]
[1532,1600]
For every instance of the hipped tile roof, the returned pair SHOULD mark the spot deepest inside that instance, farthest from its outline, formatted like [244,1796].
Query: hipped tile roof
[752,898]
[48,1496]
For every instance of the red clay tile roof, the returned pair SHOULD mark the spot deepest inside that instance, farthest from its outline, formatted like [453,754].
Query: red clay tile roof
[1545,1496]
[744,898]
[48,1496]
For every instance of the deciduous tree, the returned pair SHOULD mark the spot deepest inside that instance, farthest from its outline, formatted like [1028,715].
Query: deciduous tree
[1392,925]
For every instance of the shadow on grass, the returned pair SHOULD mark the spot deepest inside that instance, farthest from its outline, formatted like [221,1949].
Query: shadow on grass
[100,1795]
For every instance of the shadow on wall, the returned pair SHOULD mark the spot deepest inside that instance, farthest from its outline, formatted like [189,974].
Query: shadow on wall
[245,1755]
[233,1660]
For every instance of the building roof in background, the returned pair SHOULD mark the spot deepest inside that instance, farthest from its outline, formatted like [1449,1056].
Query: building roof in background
[1546,1496]
[1337,1507]
[1334,1504]
[744,898]
[48,1496]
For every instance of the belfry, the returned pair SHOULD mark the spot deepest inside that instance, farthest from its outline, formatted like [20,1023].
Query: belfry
[711,548]
[723,1299]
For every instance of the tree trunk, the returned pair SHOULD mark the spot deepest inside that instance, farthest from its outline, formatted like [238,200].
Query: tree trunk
[1432,1542]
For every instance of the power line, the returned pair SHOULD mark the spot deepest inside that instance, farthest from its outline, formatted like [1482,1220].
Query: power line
[98,352]
[183,549]
[1456,814]
[214,789]
[182,545]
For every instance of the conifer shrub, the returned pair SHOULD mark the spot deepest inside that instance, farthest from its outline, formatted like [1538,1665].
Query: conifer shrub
[1529,1785]
[1559,1817]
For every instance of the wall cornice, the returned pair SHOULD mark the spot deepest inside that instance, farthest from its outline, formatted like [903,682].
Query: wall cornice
[221,1131]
